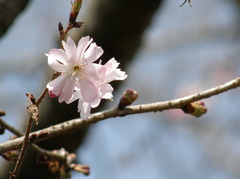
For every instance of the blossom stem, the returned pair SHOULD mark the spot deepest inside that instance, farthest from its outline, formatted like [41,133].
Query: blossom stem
[40,98]
[64,34]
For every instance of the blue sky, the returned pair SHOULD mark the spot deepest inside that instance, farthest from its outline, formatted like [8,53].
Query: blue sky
[185,50]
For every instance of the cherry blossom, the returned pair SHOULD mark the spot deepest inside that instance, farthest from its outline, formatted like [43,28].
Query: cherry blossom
[80,78]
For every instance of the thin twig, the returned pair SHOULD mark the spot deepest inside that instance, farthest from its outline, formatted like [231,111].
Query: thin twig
[10,128]
[189,2]
[76,124]
[33,113]
[23,151]
[40,98]
[35,147]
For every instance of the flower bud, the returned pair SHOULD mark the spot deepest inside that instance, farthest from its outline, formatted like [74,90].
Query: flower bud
[2,113]
[60,27]
[128,98]
[85,169]
[196,109]
[51,94]
[11,155]
[76,5]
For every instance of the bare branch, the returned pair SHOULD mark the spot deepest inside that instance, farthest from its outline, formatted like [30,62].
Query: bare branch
[36,148]
[189,2]
[33,112]
[76,124]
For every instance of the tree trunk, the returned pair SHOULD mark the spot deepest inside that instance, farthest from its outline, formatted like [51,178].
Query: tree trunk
[117,26]
[10,9]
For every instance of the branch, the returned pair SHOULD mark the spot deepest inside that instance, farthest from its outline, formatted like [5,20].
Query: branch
[76,124]
[35,147]
[33,112]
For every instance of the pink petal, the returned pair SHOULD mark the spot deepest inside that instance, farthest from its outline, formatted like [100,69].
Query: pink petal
[112,72]
[93,53]
[83,44]
[57,60]
[112,63]
[95,103]
[76,95]
[85,109]
[56,66]
[93,70]
[106,91]
[116,74]
[59,55]
[55,86]
[71,49]
[67,90]
[89,91]
[52,95]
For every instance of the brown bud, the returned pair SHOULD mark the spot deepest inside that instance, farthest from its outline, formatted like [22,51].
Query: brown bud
[76,5]
[2,113]
[31,98]
[60,27]
[53,166]
[128,98]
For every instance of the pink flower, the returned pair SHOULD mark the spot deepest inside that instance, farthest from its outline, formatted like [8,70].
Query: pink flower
[80,78]
[106,73]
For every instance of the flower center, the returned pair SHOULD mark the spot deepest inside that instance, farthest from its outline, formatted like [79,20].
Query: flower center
[78,72]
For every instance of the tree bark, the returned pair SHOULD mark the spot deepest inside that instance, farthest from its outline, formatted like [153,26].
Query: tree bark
[10,9]
[117,26]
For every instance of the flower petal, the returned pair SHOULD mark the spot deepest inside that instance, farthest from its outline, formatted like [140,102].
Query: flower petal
[71,49]
[116,74]
[89,91]
[112,72]
[83,44]
[67,90]
[84,108]
[93,70]
[57,60]
[59,55]
[92,53]
[56,66]
[76,95]
[95,103]
[55,86]
[106,91]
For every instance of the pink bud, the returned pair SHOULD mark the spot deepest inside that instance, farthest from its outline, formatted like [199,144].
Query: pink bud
[85,169]
[196,109]
[52,95]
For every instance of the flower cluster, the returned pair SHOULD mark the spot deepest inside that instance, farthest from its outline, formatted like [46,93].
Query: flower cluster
[81,79]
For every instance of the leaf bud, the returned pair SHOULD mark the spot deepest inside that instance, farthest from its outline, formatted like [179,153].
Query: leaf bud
[76,5]
[128,98]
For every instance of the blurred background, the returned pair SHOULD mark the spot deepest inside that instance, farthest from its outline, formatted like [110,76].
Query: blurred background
[168,52]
